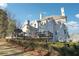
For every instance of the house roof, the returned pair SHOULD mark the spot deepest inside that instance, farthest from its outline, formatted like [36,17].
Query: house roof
[54,17]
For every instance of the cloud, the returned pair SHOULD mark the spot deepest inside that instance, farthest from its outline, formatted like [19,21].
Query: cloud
[44,12]
[3,5]
[73,26]
[77,15]
[73,23]
[28,16]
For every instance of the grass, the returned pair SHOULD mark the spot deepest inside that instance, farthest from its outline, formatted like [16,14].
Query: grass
[62,48]
[62,44]
[56,44]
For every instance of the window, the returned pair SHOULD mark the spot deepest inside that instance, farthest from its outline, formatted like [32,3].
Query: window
[55,33]
[48,18]
[41,23]
[34,25]
[59,22]
[64,31]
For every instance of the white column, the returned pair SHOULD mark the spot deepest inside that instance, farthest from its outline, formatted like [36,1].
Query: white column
[40,16]
[62,11]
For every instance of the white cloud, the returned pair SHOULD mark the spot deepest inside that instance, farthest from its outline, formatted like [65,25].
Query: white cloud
[44,12]
[73,26]
[77,15]
[28,16]
[3,5]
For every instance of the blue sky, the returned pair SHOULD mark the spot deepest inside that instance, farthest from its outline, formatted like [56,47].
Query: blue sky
[25,11]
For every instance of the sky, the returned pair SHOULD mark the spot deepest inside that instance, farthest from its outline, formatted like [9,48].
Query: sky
[26,11]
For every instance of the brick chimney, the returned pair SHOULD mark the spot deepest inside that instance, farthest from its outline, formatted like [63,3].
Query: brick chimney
[28,22]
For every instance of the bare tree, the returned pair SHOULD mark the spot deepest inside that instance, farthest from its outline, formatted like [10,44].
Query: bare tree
[3,22]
